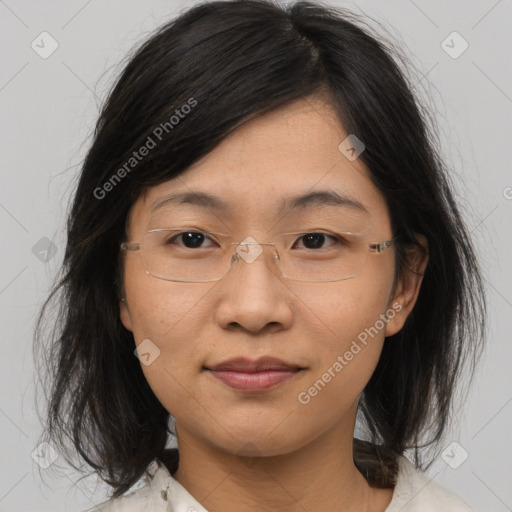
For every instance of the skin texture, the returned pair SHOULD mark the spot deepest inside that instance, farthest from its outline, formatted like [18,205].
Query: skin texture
[267,451]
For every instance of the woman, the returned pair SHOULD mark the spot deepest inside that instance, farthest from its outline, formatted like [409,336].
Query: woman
[263,244]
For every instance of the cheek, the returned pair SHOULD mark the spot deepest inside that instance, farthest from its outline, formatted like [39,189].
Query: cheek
[175,338]
[163,310]
[346,310]
[353,322]
[167,320]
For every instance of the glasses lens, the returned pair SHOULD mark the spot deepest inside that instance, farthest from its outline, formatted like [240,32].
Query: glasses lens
[185,255]
[197,256]
[324,257]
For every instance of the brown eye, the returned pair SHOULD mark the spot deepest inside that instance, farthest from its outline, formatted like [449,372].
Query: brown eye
[315,240]
[189,239]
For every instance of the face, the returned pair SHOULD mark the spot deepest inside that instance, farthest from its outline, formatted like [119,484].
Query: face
[254,312]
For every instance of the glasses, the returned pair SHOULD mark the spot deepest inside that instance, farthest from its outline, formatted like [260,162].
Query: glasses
[179,254]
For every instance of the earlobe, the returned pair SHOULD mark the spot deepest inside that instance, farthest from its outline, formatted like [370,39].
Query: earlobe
[124,314]
[409,285]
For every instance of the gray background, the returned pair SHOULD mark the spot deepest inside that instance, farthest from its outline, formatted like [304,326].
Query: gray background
[48,107]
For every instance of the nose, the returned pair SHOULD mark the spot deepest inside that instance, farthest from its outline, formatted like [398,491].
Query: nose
[253,296]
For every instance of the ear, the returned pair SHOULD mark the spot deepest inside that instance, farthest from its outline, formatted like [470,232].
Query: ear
[408,287]
[124,313]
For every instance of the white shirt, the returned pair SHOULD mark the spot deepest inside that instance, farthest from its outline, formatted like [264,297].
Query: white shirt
[413,492]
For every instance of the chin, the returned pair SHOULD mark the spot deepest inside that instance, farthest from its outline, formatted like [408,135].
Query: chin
[258,443]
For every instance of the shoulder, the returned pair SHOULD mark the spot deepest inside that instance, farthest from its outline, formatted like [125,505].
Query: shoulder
[416,492]
[147,494]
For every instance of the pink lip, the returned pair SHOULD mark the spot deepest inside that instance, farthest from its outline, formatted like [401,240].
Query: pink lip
[255,381]
[252,376]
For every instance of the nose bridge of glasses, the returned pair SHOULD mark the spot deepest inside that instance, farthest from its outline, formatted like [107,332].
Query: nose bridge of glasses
[250,249]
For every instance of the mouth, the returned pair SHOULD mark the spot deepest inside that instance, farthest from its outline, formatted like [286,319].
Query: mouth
[254,376]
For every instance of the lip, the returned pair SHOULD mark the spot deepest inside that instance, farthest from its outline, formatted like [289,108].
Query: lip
[246,365]
[254,375]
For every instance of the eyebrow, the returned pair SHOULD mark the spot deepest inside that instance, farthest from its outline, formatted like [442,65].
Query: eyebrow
[302,202]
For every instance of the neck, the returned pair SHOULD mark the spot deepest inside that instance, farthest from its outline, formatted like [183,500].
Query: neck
[319,476]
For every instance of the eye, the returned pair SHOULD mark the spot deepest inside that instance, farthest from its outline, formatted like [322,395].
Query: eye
[316,240]
[189,239]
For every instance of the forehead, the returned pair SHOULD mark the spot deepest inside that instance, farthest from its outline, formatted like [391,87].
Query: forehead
[265,165]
